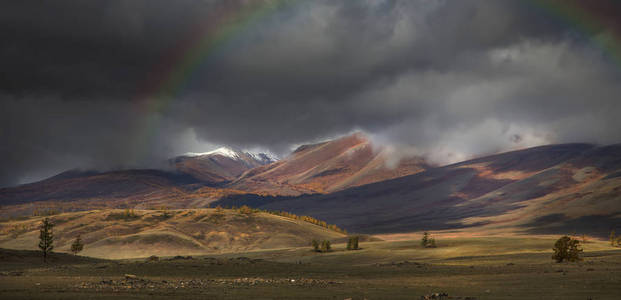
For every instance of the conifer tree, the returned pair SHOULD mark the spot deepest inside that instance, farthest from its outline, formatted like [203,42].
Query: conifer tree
[46,238]
[77,245]
[425,240]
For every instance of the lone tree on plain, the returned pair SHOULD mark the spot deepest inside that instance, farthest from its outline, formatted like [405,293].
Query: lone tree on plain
[46,238]
[77,245]
[427,241]
[612,238]
[567,248]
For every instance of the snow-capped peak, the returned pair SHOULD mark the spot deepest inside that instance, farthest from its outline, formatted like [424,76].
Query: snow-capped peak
[223,151]
[232,153]
[263,157]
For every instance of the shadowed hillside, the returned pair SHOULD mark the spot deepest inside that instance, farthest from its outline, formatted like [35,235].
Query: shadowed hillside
[548,189]
[124,234]
[78,185]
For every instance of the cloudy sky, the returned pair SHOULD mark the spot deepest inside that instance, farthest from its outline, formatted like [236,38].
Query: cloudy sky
[129,83]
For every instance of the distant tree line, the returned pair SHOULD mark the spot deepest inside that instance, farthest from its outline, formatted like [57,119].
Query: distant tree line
[48,212]
[244,209]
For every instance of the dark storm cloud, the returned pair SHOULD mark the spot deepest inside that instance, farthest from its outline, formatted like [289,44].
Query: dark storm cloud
[449,79]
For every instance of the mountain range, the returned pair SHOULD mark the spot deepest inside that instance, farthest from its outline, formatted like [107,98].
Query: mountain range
[360,186]
[550,189]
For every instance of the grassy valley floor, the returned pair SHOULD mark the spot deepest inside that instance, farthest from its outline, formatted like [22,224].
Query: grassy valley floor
[479,268]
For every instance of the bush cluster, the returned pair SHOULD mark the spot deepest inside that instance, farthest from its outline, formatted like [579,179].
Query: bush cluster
[352,243]
[323,246]
[45,212]
[567,248]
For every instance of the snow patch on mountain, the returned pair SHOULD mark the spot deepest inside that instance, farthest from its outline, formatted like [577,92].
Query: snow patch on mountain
[223,151]
[264,158]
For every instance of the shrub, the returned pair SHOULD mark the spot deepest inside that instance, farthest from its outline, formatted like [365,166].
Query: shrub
[77,245]
[567,248]
[153,258]
[166,214]
[129,213]
[18,230]
[246,210]
[315,244]
[325,246]
[352,243]
[126,215]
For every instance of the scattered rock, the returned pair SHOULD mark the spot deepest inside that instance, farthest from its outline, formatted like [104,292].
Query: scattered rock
[11,273]
[444,296]
[402,264]
[133,282]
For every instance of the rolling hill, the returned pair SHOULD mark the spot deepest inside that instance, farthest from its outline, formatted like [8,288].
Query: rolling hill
[549,189]
[125,234]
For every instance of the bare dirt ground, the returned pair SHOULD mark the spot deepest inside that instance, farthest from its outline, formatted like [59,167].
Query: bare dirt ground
[462,268]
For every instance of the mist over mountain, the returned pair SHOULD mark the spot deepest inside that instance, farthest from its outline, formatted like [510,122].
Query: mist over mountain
[91,84]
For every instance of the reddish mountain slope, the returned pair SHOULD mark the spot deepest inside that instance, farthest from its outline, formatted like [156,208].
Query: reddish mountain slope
[326,167]
[550,189]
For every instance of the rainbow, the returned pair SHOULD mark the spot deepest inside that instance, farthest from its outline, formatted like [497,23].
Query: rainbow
[171,77]
[588,18]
